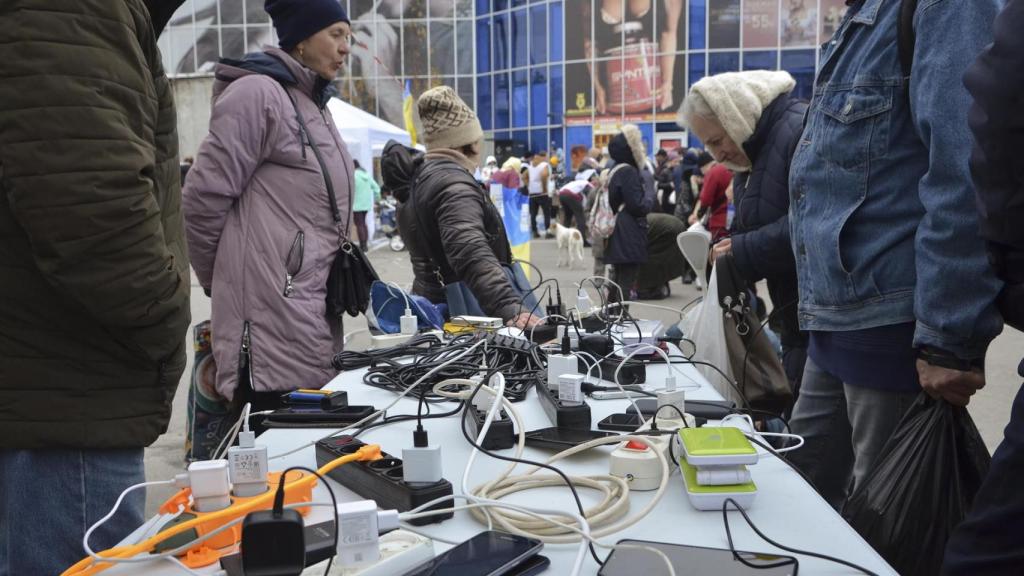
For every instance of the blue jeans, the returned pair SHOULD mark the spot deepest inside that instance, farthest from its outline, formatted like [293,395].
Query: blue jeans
[988,542]
[844,428]
[49,498]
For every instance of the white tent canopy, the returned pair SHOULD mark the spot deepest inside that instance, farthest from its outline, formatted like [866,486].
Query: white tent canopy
[363,133]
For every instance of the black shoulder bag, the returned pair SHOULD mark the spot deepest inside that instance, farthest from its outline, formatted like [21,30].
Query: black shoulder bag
[348,284]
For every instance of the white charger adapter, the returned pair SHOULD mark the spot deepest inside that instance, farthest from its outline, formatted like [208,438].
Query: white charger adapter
[409,324]
[360,525]
[247,466]
[559,364]
[210,484]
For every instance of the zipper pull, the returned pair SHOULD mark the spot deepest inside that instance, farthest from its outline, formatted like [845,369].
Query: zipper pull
[288,287]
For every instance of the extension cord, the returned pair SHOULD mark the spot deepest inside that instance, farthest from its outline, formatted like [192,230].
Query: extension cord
[637,464]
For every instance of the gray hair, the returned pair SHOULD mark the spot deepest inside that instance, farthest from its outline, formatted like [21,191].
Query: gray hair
[694,105]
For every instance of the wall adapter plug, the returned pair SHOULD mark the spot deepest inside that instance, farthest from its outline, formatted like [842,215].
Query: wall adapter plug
[409,323]
[247,466]
[570,388]
[360,525]
[211,486]
[422,462]
[583,303]
[671,396]
[273,543]
[559,364]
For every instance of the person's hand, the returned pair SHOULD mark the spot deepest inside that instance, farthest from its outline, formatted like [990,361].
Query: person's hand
[599,98]
[953,386]
[665,93]
[524,321]
[720,248]
[693,219]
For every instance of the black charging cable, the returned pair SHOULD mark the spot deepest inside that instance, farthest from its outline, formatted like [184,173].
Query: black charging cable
[279,505]
[738,557]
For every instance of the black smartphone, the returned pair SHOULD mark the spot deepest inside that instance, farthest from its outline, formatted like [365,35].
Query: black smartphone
[620,422]
[531,566]
[694,560]
[707,409]
[562,438]
[489,553]
[314,413]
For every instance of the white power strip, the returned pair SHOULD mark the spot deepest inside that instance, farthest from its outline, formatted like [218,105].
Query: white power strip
[400,552]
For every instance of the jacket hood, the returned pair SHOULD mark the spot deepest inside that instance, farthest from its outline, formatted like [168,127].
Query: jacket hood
[398,167]
[628,147]
[280,66]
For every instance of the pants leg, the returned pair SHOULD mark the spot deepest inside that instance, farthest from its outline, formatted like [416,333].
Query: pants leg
[820,418]
[874,415]
[581,220]
[364,234]
[545,203]
[988,541]
[534,209]
[597,249]
[794,358]
[49,498]
[625,276]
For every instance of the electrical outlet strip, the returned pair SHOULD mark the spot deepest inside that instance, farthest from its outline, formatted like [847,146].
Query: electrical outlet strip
[382,480]
[501,434]
[400,552]
[562,414]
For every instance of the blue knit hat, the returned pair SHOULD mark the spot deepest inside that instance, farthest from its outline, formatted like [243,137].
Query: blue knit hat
[296,20]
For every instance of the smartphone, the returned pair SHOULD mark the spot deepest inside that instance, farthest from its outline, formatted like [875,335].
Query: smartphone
[694,560]
[489,553]
[707,409]
[314,413]
[562,438]
[621,422]
[531,566]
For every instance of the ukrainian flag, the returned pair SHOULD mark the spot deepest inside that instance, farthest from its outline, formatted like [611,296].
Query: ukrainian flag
[407,105]
[515,213]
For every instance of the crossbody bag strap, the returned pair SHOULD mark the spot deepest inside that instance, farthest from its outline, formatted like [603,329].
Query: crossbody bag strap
[905,40]
[332,198]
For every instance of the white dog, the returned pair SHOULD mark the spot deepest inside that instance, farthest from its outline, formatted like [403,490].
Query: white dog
[570,245]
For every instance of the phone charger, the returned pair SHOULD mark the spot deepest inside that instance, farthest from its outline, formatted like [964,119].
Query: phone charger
[712,498]
[273,544]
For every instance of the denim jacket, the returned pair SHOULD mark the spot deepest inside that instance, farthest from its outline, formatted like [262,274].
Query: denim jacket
[882,214]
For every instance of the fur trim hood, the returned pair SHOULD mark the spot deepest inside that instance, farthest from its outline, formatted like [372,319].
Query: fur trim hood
[628,146]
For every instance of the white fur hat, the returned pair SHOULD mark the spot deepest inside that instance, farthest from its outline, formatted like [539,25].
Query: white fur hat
[737,99]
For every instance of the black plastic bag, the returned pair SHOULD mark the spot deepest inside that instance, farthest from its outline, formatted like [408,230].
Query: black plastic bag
[922,486]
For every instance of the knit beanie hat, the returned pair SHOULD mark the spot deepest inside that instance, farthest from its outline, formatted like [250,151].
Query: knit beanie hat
[739,98]
[296,20]
[447,121]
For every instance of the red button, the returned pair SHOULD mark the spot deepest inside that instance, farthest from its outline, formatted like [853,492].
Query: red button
[636,445]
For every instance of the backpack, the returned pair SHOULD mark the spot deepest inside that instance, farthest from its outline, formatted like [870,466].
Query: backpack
[601,221]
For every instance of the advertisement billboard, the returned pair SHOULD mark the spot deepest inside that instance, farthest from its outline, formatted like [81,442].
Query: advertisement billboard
[628,65]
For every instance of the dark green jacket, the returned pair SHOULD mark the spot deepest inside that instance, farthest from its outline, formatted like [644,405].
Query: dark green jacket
[94,282]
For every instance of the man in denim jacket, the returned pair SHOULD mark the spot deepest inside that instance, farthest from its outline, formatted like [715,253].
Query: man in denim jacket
[894,284]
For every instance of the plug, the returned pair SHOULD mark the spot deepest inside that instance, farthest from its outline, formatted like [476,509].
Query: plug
[273,543]
[409,323]
[211,486]
[422,462]
[570,388]
[247,466]
[559,364]
[360,525]
[583,303]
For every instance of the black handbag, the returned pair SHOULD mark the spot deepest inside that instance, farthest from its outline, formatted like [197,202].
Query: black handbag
[348,284]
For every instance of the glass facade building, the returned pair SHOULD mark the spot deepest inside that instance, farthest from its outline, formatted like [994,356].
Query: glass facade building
[544,74]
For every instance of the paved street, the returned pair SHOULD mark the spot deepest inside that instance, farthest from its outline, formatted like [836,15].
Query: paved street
[990,408]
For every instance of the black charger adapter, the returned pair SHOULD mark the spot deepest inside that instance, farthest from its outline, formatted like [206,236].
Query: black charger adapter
[273,543]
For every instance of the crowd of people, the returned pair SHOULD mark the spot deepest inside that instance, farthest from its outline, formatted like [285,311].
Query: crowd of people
[892,259]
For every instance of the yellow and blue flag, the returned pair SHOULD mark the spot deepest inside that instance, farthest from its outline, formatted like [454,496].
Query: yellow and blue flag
[407,104]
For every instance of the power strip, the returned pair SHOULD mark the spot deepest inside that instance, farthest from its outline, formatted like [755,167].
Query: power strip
[501,434]
[561,414]
[400,552]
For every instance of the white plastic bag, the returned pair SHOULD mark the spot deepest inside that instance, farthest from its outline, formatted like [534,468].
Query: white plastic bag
[708,334]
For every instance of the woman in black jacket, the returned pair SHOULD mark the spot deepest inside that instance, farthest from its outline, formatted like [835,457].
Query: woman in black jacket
[751,123]
[631,200]
[453,230]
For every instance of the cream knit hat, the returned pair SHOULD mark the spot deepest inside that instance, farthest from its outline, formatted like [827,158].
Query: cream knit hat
[738,99]
[447,121]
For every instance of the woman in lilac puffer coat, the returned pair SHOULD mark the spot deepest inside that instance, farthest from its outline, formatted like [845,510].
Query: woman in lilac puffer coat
[261,228]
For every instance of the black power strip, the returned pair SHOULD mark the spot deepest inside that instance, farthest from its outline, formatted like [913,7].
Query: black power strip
[561,414]
[501,434]
[381,480]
